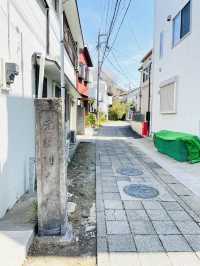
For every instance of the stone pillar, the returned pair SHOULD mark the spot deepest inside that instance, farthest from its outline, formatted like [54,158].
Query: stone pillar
[51,167]
[80,120]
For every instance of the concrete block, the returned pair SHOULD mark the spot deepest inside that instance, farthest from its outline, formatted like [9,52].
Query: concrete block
[174,243]
[165,227]
[115,215]
[152,205]
[137,215]
[179,216]
[133,205]
[121,243]
[158,215]
[142,228]
[113,204]
[194,241]
[171,206]
[148,243]
[117,228]
[188,228]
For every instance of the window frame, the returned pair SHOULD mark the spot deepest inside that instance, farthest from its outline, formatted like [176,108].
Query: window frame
[187,34]
[164,84]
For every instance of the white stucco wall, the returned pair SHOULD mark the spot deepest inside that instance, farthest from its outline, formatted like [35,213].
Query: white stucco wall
[25,37]
[182,62]
[21,37]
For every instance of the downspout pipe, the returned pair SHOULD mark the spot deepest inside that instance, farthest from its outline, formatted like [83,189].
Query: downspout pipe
[148,116]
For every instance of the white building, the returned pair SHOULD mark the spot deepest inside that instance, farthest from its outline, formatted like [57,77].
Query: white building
[176,76]
[105,99]
[30,32]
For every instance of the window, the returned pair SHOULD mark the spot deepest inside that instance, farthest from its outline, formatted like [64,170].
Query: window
[86,74]
[161,44]
[145,74]
[168,98]
[181,24]
[82,71]
[44,92]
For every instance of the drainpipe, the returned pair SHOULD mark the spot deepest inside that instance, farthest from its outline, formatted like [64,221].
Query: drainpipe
[62,49]
[148,115]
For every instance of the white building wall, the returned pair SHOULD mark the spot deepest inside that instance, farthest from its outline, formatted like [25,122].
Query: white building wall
[181,62]
[20,38]
[23,33]
[55,46]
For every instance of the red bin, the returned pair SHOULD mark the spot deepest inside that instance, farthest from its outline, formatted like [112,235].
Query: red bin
[145,129]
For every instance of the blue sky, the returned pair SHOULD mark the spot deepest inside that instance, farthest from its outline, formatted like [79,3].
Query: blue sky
[134,41]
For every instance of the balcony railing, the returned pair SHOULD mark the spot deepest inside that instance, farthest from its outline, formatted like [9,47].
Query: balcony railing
[70,44]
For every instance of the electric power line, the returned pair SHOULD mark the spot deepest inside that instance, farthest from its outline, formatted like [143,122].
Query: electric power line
[120,26]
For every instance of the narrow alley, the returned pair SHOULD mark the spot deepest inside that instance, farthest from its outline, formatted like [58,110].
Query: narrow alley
[142,215]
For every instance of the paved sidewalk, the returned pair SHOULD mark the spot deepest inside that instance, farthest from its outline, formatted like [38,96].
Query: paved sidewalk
[133,230]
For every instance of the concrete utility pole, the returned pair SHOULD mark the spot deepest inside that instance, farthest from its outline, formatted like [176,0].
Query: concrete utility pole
[98,76]
[99,70]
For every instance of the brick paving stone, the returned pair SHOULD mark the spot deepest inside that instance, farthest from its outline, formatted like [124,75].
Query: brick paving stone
[158,215]
[152,205]
[142,228]
[165,227]
[99,205]
[110,215]
[100,217]
[174,243]
[115,215]
[113,204]
[137,215]
[117,227]
[102,244]
[133,205]
[101,229]
[148,243]
[111,196]
[148,224]
[168,179]
[121,243]
[171,206]
[110,188]
[180,189]
[194,241]
[179,216]
[188,228]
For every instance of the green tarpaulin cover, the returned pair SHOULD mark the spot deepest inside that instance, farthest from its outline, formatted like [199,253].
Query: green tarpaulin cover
[180,146]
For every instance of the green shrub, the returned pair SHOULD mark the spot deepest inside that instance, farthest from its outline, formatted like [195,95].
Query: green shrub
[91,120]
[118,111]
[102,118]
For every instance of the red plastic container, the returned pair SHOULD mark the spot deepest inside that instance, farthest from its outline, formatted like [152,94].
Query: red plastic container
[145,129]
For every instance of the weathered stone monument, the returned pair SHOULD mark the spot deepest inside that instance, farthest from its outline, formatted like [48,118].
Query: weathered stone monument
[51,167]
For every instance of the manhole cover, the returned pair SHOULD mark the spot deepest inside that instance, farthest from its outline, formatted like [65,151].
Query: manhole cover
[141,191]
[130,171]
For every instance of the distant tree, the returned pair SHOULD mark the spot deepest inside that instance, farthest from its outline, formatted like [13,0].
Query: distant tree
[118,110]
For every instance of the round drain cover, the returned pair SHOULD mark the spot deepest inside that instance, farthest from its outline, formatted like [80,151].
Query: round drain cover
[141,191]
[129,171]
